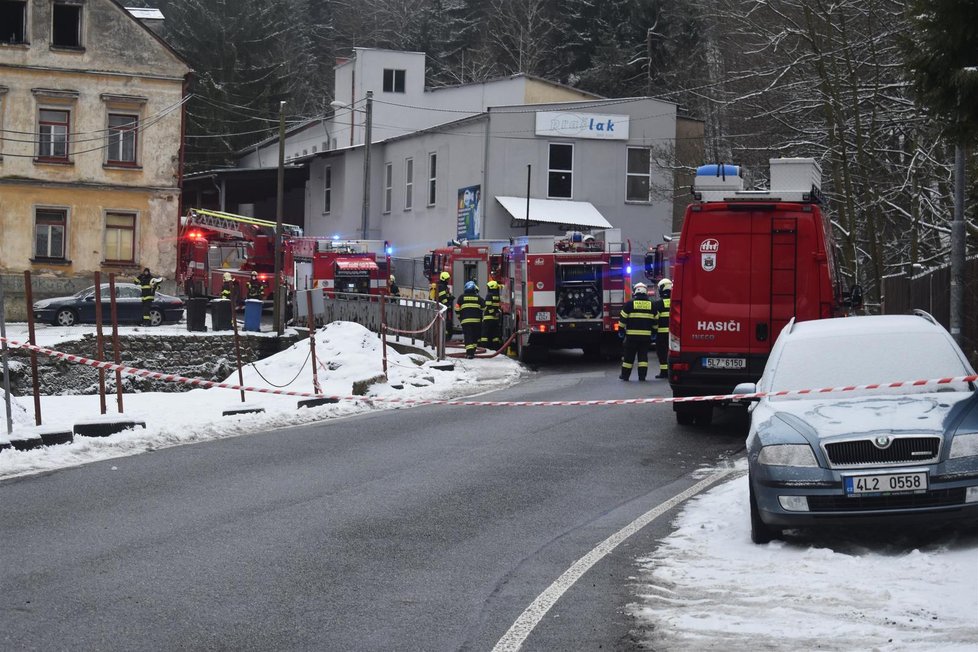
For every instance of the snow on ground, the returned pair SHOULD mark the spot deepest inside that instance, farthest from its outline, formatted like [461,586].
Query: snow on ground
[345,353]
[706,586]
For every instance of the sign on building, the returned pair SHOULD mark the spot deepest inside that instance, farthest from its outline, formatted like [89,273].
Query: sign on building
[570,124]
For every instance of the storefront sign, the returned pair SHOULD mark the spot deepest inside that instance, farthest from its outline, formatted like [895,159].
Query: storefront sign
[604,126]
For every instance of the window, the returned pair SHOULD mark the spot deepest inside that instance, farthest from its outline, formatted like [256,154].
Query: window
[432,177]
[638,177]
[120,237]
[388,186]
[13,18]
[408,184]
[50,225]
[123,130]
[393,80]
[327,190]
[66,22]
[53,134]
[560,175]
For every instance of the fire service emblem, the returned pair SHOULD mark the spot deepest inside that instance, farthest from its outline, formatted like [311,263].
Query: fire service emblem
[708,254]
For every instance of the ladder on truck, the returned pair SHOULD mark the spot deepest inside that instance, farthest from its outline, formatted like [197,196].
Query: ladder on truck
[230,223]
[784,272]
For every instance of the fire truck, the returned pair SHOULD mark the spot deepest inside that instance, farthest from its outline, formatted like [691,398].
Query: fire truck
[215,243]
[340,266]
[659,259]
[565,292]
[747,262]
[472,260]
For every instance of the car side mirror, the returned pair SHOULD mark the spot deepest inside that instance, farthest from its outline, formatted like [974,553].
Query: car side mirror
[90,297]
[745,389]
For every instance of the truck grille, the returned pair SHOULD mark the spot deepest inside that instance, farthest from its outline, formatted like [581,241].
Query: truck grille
[903,450]
[938,498]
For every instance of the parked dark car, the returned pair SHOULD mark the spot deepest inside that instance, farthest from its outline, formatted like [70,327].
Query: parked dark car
[80,308]
[898,456]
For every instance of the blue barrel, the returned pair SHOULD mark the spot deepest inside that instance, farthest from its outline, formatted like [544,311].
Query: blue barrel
[252,316]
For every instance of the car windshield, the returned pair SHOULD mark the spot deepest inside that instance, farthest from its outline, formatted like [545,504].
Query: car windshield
[862,359]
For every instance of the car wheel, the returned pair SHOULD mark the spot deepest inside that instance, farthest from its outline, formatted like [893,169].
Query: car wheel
[65,317]
[760,532]
[155,316]
[685,414]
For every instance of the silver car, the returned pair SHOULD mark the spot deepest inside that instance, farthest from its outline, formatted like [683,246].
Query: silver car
[895,455]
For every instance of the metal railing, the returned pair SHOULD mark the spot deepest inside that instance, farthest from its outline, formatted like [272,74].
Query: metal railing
[417,322]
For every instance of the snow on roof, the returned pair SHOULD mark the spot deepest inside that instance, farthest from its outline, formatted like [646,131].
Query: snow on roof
[856,325]
[556,211]
[145,13]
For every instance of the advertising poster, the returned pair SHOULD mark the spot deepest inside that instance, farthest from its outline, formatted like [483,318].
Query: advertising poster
[469,213]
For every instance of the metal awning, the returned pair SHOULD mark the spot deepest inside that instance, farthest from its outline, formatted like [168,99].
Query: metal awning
[555,211]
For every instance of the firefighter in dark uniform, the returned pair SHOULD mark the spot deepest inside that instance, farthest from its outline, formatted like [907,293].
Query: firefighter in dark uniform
[227,287]
[256,287]
[661,308]
[147,291]
[490,318]
[469,307]
[392,288]
[636,325]
[443,295]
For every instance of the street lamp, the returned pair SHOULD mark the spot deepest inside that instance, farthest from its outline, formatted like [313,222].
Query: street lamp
[368,123]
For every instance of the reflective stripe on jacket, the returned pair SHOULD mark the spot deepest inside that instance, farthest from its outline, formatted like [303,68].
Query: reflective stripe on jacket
[492,304]
[469,308]
[637,318]
[662,314]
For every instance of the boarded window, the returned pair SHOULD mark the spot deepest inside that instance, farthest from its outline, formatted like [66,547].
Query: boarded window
[66,25]
[120,237]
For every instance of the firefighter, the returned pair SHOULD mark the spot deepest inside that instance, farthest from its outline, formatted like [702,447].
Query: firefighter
[443,295]
[490,318]
[256,287]
[227,287]
[470,307]
[661,308]
[147,290]
[636,326]
[392,287]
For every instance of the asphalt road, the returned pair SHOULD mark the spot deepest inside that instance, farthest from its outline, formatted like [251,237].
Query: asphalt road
[429,528]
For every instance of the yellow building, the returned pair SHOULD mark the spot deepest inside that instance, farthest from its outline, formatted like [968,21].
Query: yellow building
[91,119]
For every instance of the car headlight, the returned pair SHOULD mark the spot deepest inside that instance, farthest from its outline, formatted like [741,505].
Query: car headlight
[964,445]
[787,455]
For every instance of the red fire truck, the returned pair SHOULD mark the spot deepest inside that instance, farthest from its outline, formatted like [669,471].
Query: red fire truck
[472,260]
[341,266]
[747,262]
[659,259]
[215,243]
[566,292]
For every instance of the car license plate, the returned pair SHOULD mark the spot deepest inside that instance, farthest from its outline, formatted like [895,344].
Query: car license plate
[891,483]
[724,363]
[542,316]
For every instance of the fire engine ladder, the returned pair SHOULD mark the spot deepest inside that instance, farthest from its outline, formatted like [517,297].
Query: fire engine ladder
[227,223]
[784,272]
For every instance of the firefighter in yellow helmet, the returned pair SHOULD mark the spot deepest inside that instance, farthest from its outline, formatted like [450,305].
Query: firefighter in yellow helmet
[469,306]
[661,308]
[491,337]
[443,295]
[228,288]
[636,326]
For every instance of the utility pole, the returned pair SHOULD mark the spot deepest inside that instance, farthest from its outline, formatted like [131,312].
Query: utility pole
[958,235]
[526,228]
[365,220]
[279,210]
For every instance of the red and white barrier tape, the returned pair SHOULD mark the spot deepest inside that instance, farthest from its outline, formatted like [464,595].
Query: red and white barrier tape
[199,382]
